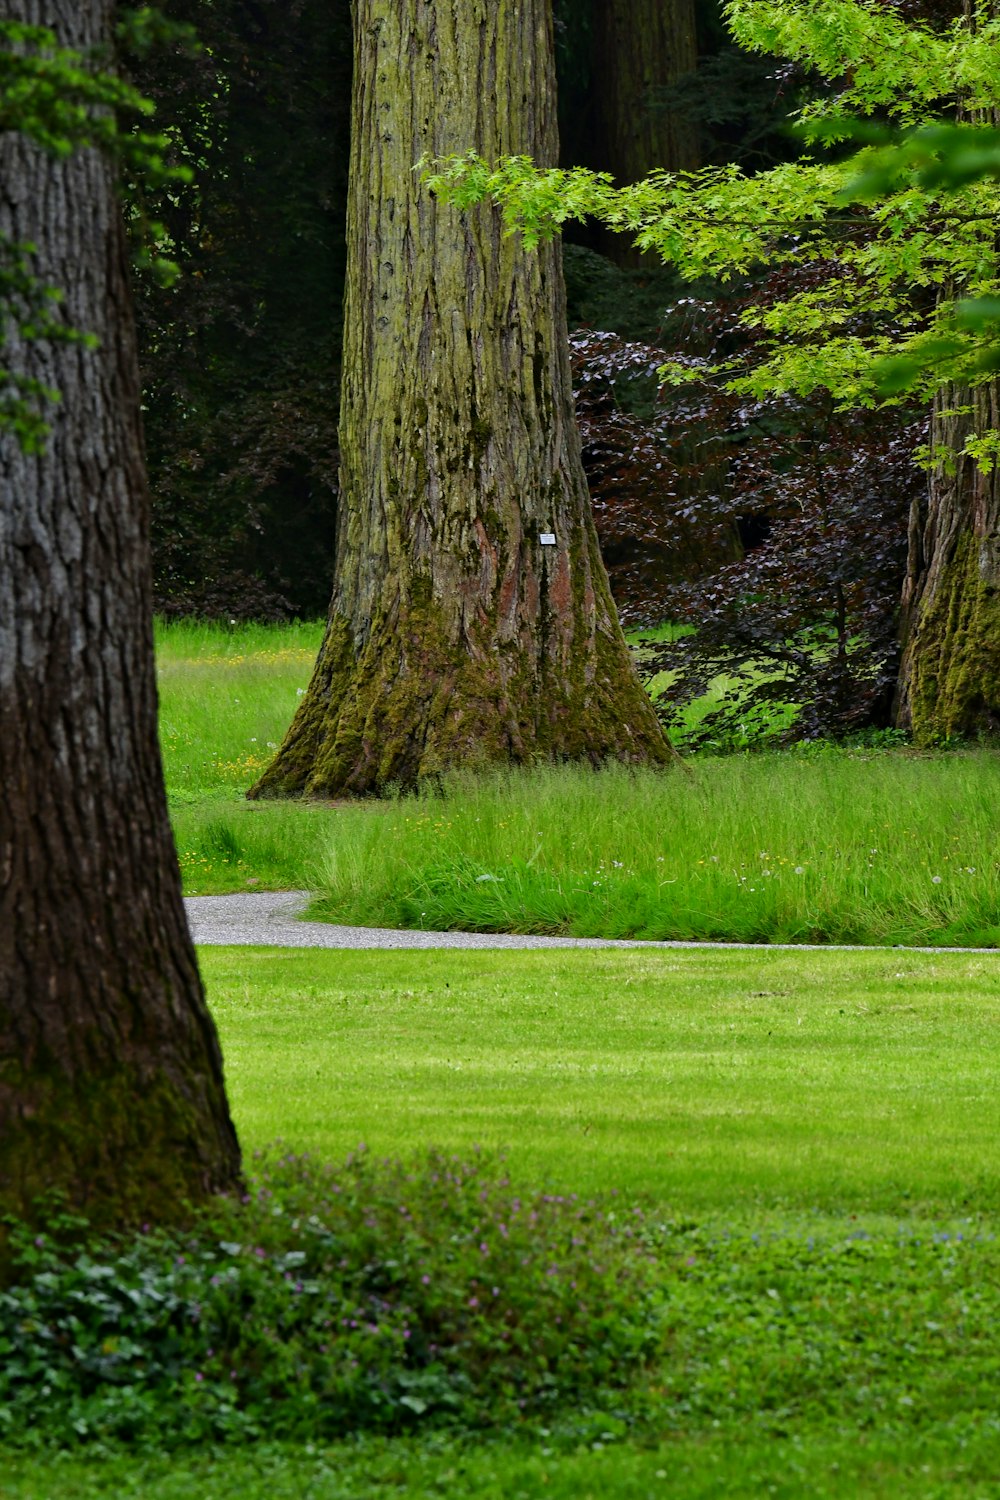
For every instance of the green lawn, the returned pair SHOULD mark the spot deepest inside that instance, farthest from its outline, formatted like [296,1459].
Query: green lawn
[961,1461]
[711,1081]
[813,1136]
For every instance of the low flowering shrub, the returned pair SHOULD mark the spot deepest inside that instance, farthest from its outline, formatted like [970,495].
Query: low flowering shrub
[374,1296]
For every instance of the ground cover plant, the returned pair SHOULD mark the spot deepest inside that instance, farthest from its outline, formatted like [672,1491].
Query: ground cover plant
[784,1327]
[821,845]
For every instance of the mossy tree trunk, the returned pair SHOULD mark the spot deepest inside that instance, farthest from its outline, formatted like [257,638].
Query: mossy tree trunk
[457,634]
[949,682]
[111,1089]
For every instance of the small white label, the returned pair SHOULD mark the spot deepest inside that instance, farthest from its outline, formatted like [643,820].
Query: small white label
[548,538]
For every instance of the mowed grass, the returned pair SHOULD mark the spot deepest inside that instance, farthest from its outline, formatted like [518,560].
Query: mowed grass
[814,1134]
[941,1459]
[825,846]
[712,1082]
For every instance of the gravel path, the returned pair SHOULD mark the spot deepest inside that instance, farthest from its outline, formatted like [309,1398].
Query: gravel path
[273,919]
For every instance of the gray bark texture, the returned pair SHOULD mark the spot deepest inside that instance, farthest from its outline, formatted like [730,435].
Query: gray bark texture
[111,1088]
[456,636]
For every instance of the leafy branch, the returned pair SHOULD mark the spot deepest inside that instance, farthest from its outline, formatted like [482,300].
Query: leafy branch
[904,222]
[65,101]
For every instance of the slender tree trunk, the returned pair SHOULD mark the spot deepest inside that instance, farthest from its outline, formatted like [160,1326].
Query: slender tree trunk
[949,679]
[641,46]
[458,634]
[111,1086]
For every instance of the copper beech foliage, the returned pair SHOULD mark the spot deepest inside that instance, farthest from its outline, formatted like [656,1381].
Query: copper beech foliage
[776,528]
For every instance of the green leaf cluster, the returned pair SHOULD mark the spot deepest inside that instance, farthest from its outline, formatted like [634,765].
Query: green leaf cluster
[65,101]
[902,223]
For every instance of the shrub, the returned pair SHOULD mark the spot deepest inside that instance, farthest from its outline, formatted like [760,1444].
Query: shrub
[373,1296]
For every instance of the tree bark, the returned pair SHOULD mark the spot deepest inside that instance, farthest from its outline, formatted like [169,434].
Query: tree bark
[457,636]
[949,678]
[111,1089]
[641,46]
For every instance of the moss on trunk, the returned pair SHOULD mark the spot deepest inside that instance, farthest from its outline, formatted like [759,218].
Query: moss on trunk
[954,681]
[457,635]
[949,684]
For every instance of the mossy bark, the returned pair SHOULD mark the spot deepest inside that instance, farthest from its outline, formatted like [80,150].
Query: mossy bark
[456,635]
[949,679]
[949,683]
[111,1088]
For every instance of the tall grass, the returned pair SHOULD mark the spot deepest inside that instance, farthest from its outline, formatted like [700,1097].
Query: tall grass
[227,695]
[768,848]
[827,846]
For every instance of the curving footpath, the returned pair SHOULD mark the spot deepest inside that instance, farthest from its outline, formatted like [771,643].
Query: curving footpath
[272,919]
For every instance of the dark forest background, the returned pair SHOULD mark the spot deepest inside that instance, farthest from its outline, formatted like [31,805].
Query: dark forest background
[775,529]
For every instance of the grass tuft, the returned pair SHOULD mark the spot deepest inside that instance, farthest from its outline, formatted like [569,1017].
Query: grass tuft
[772,848]
[823,845]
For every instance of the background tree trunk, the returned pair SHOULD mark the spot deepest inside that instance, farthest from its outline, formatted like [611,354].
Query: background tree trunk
[640,47]
[949,681]
[111,1084]
[455,636]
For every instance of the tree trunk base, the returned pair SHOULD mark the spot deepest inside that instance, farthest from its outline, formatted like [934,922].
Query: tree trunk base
[950,676]
[413,705]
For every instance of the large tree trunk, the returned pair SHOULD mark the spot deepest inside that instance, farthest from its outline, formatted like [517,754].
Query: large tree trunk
[949,679]
[456,635]
[949,682]
[111,1088]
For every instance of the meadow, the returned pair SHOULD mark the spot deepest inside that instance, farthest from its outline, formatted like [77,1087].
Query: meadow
[592,1223]
[816,845]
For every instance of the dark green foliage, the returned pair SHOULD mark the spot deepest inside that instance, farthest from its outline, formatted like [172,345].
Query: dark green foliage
[333,1302]
[241,358]
[374,1296]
